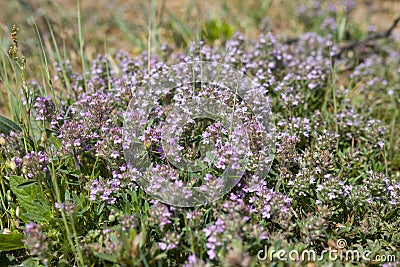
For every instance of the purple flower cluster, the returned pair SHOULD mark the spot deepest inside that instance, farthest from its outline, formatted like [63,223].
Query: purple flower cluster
[68,207]
[214,233]
[370,79]
[33,164]
[128,222]
[193,261]
[12,148]
[44,108]
[161,214]
[91,122]
[312,12]
[170,240]
[35,240]
[295,75]
[108,189]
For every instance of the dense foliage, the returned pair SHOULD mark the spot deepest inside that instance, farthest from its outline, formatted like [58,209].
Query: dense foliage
[68,197]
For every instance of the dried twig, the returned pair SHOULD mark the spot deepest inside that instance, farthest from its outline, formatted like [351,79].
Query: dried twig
[380,35]
[352,45]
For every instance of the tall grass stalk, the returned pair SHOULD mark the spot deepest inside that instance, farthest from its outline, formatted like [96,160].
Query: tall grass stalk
[81,41]
[64,219]
[58,55]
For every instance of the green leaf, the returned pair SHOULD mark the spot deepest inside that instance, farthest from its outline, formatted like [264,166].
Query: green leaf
[54,140]
[105,257]
[216,29]
[32,262]
[391,214]
[100,208]
[7,125]
[11,241]
[85,209]
[210,156]
[33,205]
[25,184]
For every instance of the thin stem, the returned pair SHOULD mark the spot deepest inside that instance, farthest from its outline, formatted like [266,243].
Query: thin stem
[64,218]
[80,28]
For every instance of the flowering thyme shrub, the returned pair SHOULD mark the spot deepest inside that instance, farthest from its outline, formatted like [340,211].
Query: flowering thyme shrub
[70,199]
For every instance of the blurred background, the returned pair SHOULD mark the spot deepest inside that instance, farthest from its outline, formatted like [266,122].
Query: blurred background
[133,26]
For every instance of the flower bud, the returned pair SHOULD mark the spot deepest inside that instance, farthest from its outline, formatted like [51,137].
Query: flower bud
[2,141]
[44,138]
[9,198]
[17,212]
[147,143]
[13,166]
[111,218]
